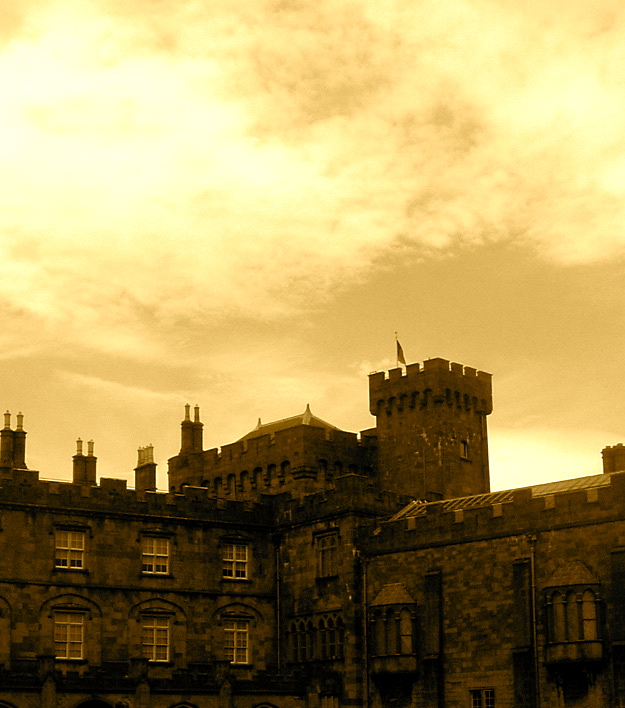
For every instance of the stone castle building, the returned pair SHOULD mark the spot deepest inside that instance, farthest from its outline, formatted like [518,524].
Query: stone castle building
[303,566]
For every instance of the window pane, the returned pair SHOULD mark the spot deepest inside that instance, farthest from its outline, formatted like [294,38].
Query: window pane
[68,635]
[155,555]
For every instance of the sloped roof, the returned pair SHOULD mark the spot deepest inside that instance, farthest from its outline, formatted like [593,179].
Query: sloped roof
[418,507]
[305,418]
[573,572]
[393,594]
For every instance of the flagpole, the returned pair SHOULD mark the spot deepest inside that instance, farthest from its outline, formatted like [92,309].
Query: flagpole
[396,352]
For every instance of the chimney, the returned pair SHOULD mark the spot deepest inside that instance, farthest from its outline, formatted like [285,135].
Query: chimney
[186,443]
[6,444]
[19,444]
[197,431]
[90,464]
[145,471]
[84,465]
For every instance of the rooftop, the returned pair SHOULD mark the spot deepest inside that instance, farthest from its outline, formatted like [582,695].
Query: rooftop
[305,418]
[418,507]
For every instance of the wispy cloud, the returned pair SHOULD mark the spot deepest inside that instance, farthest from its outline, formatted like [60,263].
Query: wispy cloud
[172,165]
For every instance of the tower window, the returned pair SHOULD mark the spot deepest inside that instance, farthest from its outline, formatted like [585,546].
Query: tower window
[327,555]
[464,449]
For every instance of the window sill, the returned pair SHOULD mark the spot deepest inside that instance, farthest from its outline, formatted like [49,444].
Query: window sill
[236,580]
[63,569]
[145,574]
[574,652]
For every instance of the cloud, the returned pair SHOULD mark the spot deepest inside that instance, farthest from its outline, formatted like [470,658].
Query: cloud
[168,166]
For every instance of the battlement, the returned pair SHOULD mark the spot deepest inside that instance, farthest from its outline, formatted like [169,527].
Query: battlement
[527,510]
[613,458]
[112,497]
[300,459]
[437,381]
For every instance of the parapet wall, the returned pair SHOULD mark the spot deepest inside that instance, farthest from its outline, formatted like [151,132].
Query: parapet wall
[437,381]
[112,498]
[516,512]
[275,462]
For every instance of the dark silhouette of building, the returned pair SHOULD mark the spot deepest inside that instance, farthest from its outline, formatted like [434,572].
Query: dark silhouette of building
[308,567]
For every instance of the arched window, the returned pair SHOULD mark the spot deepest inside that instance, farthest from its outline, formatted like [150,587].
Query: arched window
[245,481]
[589,616]
[257,478]
[310,640]
[327,560]
[405,632]
[379,634]
[303,641]
[572,617]
[558,624]
[295,639]
[285,471]
[392,634]
[340,638]
[323,640]
[271,475]
[331,634]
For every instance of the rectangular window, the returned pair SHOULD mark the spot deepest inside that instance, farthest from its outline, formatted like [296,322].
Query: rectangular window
[235,561]
[236,643]
[327,555]
[155,555]
[155,639]
[483,698]
[68,635]
[70,549]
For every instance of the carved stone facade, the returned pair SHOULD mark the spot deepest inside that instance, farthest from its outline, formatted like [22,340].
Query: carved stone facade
[307,567]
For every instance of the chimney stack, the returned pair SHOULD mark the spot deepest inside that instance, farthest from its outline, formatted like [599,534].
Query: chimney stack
[84,465]
[186,442]
[197,431]
[13,444]
[145,471]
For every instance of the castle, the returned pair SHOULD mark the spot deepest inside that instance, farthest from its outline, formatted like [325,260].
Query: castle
[303,566]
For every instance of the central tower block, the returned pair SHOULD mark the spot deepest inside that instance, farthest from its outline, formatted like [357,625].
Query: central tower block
[431,426]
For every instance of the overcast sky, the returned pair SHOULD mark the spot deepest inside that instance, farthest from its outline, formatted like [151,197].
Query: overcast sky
[237,204]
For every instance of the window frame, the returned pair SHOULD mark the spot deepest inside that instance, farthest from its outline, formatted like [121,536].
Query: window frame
[234,567]
[155,555]
[236,640]
[482,698]
[68,640]
[150,649]
[71,554]
[327,554]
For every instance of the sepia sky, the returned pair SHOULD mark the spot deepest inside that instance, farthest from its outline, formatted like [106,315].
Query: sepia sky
[237,204]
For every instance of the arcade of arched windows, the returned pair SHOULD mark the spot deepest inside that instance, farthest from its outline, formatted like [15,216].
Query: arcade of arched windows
[573,615]
[273,477]
[317,639]
[392,630]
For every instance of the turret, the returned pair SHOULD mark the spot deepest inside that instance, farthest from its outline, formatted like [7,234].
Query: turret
[613,458]
[431,425]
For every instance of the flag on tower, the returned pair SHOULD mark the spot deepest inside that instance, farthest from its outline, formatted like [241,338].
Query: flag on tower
[401,359]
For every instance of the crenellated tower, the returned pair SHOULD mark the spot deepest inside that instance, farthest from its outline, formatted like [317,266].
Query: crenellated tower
[431,426]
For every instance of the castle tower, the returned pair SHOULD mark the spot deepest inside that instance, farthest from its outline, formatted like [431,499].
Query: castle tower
[431,425]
